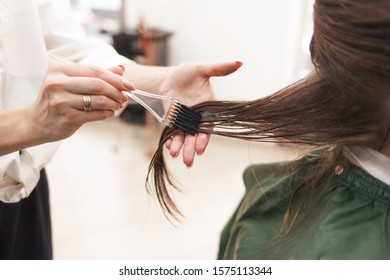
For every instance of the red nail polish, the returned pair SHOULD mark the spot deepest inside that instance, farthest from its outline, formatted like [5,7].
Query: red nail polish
[239,63]
[175,156]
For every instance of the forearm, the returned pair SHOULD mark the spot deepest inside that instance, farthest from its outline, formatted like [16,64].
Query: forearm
[147,78]
[16,131]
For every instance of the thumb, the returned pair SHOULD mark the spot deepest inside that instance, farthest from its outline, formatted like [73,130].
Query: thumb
[220,69]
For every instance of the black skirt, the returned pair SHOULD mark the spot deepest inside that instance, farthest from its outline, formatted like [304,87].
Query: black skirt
[25,227]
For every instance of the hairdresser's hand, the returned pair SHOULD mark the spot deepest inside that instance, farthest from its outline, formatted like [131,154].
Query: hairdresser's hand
[190,83]
[59,109]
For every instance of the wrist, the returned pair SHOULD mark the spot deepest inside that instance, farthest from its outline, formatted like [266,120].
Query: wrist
[30,128]
[149,78]
[20,134]
[164,84]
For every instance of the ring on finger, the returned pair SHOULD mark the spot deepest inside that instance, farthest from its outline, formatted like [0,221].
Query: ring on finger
[87,103]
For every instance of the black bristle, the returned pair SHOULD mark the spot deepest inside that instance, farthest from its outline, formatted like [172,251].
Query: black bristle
[196,115]
[187,119]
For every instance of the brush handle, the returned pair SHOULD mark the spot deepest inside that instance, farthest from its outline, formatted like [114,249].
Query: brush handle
[132,95]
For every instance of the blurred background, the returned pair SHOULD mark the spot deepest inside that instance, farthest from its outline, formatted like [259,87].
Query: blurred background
[100,208]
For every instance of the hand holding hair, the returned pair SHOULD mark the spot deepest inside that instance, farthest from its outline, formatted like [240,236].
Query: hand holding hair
[190,82]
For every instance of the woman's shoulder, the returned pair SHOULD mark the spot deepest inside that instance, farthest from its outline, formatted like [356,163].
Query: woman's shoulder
[273,172]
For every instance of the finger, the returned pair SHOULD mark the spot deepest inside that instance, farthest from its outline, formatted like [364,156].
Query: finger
[219,69]
[202,140]
[97,102]
[92,86]
[176,144]
[92,71]
[76,116]
[168,143]
[76,101]
[119,69]
[189,150]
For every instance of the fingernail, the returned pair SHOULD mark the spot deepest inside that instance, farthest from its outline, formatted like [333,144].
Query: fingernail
[239,63]
[125,98]
[128,85]
[200,153]
[189,166]
[122,67]
[175,156]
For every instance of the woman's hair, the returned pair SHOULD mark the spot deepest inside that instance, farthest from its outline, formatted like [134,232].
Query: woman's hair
[342,102]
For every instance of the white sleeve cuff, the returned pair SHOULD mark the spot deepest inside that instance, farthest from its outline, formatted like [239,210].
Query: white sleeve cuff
[20,172]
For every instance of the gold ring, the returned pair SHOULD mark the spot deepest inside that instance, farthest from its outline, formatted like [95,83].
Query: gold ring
[87,103]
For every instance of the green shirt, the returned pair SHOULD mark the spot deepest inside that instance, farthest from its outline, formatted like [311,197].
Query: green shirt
[351,220]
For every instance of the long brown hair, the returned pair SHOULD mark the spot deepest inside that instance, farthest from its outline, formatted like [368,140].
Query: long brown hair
[340,103]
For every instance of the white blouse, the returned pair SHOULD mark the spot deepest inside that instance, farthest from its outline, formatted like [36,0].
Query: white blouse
[28,30]
[371,161]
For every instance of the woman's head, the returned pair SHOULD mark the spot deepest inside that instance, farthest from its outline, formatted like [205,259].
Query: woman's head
[344,101]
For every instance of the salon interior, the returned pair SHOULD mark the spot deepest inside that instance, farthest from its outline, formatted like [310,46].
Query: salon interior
[100,207]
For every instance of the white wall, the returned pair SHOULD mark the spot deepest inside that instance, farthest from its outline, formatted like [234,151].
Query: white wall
[264,34]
